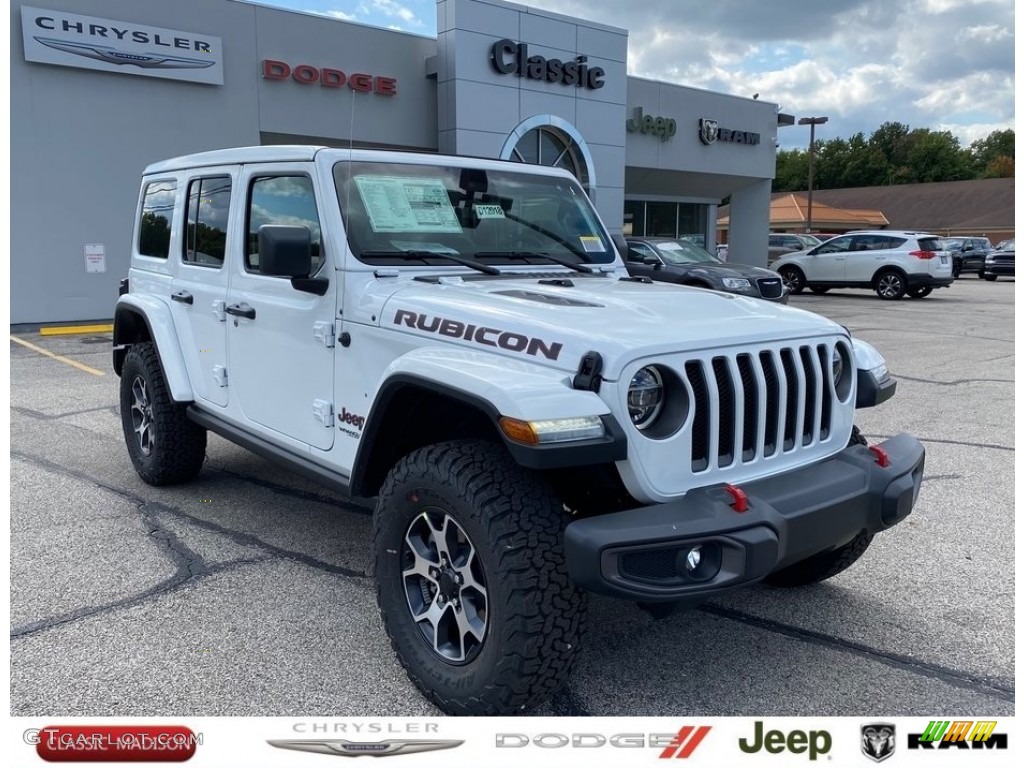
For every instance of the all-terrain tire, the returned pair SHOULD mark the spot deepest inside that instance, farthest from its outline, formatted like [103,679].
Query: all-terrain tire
[990,278]
[513,522]
[819,290]
[920,292]
[164,445]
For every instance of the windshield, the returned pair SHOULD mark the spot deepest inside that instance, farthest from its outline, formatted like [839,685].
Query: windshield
[684,252]
[952,243]
[395,212]
[809,241]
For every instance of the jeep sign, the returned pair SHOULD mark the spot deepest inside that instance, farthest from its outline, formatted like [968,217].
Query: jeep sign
[665,127]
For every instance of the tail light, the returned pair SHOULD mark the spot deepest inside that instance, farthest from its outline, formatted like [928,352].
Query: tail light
[923,254]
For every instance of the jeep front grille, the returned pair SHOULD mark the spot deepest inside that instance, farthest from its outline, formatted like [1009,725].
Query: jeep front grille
[744,405]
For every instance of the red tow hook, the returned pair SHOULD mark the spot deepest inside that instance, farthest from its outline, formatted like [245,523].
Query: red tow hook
[739,498]
[881,457]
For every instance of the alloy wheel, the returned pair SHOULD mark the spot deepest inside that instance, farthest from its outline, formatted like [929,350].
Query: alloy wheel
[142,416]
[444,586]
[889,286]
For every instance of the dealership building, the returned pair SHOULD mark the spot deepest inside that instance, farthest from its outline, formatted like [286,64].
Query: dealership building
[102,88]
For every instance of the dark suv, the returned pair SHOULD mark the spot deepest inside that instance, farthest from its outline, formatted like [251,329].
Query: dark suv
[968,253]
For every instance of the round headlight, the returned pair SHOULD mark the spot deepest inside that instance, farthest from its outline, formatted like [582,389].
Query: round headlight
[837,367]
[645,397]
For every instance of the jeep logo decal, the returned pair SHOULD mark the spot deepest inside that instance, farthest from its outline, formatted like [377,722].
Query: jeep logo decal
[488,337]
[350,418]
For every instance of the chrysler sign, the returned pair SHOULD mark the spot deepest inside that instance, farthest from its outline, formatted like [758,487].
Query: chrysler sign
[110,45]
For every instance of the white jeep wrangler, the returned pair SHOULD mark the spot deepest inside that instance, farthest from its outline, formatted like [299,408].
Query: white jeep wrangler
[459,338]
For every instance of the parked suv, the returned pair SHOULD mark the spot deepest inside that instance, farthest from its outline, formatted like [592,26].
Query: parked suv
[968,253]
[893,264]
[780,245]
[459,338]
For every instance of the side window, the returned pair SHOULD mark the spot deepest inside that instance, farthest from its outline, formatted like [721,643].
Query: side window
[155,222]
[837,245]
[890,243]
[774,241]
[206,221]
[286,200]
[638,252]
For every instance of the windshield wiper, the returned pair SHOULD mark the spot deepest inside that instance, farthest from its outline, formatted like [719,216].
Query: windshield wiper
[524,255]
[413,254]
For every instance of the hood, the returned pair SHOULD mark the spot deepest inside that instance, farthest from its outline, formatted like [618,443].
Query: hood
[718,271]
[533,319]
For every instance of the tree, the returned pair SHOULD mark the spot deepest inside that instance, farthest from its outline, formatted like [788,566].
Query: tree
[936,156]
[993,155]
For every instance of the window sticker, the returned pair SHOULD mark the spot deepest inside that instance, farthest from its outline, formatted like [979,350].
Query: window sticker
[407,204]
[483,211]
[591,244]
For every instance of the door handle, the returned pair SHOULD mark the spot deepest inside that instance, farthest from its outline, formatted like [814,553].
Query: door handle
[183,296]
[241,310]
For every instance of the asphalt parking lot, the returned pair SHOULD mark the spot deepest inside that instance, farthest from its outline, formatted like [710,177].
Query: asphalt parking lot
[248,592]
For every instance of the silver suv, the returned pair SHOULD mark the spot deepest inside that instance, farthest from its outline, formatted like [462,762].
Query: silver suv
[893,264]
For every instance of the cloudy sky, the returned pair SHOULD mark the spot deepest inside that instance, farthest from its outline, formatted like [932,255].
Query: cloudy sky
[938,64]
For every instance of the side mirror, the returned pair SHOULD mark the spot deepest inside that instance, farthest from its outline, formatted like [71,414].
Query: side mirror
[285,251]
[652,261]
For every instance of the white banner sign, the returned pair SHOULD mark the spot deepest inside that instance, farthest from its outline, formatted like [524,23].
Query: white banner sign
[73,40]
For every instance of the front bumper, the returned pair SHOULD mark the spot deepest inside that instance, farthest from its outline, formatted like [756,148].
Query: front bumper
[1002,269]
[640,554]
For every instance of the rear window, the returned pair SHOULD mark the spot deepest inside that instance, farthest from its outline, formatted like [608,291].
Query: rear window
[929,244]
[155,220]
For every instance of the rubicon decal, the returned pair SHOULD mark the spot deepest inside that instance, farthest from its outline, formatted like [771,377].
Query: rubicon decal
[958,734]
[114,743]
[672,745]
[343,748]
[483,335]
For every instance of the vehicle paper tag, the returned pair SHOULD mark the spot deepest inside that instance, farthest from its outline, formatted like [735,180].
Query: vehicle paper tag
[591,244]
[943,259]
[483,211]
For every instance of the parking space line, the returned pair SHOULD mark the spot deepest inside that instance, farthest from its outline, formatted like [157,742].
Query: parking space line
[69,330]
[61,358]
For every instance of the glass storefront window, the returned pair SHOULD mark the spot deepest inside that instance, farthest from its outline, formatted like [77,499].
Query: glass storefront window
[688,221]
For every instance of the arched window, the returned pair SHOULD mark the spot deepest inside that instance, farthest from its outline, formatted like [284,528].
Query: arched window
[550,140]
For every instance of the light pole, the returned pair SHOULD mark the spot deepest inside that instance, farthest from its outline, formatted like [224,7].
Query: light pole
[811,121]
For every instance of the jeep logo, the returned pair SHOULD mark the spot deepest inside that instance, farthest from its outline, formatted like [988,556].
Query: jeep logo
[814,743]
[350,418]
[488,337]
[665,127]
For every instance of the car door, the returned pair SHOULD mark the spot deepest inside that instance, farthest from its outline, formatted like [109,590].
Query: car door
[827,262]
[280,339]
[200,283]
[635,256]
[867,254]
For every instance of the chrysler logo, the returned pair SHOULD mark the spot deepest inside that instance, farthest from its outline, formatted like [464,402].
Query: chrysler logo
[114,56]
[344,748]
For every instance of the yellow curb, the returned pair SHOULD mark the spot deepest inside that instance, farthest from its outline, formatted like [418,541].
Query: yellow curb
[60,358]
[69,330]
